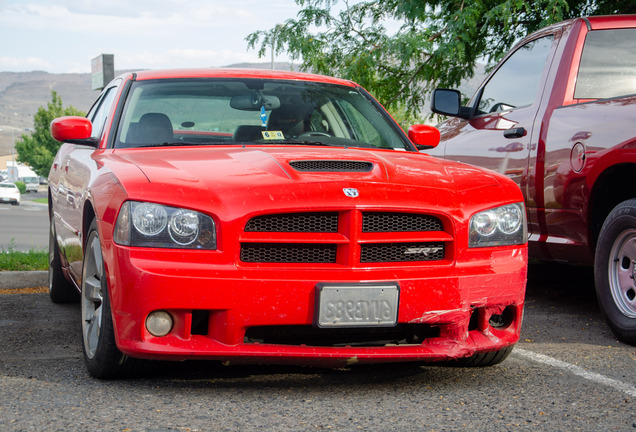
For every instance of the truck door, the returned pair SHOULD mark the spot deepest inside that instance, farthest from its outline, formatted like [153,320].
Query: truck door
[498,134]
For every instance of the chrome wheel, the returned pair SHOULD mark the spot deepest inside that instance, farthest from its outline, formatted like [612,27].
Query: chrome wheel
[622,272]
[92,294]
[615,270]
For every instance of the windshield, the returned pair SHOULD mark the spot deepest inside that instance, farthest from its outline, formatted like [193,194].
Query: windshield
[253,111]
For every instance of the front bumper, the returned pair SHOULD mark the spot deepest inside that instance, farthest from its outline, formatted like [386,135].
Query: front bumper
[264,314]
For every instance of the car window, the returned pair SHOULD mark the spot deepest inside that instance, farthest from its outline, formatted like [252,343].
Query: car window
[99,113]
[516,82]
[608,65]
[253,111]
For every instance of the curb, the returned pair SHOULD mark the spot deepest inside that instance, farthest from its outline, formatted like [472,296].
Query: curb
[23,279]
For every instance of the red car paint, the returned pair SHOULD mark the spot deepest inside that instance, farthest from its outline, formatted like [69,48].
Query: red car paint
[575,160]
[451,299]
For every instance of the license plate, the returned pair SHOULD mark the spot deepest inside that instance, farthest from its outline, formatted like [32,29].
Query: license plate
[357,305]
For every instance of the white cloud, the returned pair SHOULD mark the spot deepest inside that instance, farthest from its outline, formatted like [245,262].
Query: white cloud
[31,63]
[64,35]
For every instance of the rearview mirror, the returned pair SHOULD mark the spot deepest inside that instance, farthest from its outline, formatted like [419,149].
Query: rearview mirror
[254,101]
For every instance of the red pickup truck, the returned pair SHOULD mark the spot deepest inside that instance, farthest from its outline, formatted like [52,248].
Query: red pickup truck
[558,115]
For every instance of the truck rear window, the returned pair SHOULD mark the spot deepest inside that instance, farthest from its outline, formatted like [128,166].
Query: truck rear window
[608,65]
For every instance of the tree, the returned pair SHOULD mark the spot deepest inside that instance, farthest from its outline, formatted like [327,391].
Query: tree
[39,148]
[431,43]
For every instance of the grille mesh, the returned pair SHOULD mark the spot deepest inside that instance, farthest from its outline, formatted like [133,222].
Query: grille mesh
[396,252]
[288,253]
[399,222]
[331,166]
[294,222]
[315,250]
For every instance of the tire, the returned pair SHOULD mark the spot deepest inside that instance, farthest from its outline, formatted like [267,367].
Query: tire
[101,355]
[615,271]
[486,359]
[61,290]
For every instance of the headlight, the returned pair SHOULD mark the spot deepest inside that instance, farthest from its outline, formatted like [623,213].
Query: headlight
[505,225]
[154,225]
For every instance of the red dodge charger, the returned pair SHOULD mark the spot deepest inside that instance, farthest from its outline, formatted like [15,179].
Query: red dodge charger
[275,217]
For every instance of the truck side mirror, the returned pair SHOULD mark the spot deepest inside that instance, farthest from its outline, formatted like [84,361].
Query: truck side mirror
[447,102]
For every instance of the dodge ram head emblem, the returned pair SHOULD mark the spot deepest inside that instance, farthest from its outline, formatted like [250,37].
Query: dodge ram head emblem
[351,192]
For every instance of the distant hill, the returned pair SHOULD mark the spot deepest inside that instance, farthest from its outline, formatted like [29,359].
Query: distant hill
[22,93]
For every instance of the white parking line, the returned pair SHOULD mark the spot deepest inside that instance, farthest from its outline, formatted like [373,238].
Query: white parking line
[576,370]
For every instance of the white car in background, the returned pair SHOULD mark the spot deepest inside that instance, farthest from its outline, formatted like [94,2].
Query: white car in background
[32,183]
[9,193]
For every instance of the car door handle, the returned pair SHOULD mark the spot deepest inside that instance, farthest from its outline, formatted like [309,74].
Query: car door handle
[515,132]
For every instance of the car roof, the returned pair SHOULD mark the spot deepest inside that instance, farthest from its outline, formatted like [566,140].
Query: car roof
[238,73]
[603,22]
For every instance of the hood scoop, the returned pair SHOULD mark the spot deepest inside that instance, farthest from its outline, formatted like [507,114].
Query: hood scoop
[322,165]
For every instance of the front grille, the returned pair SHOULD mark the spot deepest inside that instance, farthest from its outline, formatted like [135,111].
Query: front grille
[294,222]
[349,238]
[396,252]
[331,166]
[402,334]
[288,253]
[399,222]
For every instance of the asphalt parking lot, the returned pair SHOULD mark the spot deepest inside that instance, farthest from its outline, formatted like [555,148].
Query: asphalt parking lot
[567,372]
[25,227]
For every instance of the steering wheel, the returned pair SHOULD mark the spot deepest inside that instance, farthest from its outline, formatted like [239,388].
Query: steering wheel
[313,133]
[501,106]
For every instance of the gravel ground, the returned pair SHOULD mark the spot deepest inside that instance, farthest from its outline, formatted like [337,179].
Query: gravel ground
[22,279]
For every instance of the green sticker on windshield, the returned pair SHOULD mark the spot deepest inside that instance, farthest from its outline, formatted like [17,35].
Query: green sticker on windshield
[273,135]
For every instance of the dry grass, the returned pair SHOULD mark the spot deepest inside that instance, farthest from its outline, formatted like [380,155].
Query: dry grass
[34,290]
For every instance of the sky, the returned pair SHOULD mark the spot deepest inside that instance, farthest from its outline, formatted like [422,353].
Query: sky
[62,36]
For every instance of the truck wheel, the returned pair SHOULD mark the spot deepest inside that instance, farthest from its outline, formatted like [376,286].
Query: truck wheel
[60,289]
[101,355]
[615,271]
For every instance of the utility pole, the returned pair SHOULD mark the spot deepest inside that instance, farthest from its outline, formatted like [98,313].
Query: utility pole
[275,31]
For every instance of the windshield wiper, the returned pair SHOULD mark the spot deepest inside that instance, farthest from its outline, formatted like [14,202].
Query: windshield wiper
[292,141]
[183,143]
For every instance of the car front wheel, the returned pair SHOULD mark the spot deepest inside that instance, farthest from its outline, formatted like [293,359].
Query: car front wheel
[486,359]
[615,271]
[101,355]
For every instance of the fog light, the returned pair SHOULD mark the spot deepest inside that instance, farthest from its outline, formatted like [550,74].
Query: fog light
[159,323]
[502,320]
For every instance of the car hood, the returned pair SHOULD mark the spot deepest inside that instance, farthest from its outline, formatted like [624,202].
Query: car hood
[291,176]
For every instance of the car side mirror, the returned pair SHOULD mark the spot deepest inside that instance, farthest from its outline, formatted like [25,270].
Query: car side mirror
[447,102]
[73,129]
[424,137]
